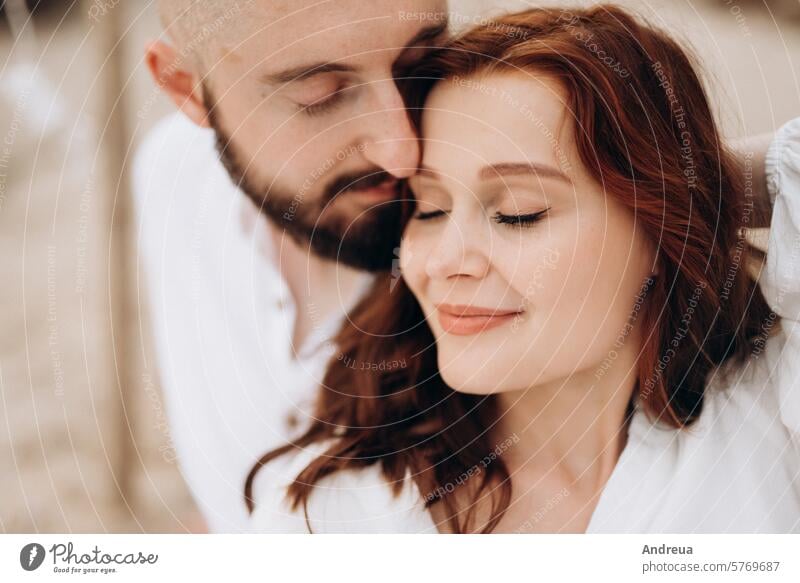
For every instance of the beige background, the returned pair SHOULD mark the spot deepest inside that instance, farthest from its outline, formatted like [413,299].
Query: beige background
[84,442]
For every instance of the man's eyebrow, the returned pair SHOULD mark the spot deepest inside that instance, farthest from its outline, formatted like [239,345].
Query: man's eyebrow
[302,72]
[521,169]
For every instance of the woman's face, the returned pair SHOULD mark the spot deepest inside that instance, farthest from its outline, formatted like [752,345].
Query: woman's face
[527,271]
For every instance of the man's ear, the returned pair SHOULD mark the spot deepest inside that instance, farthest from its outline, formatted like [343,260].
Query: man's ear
[176,80]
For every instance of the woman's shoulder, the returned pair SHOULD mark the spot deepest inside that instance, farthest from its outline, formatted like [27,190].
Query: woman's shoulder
[355,500]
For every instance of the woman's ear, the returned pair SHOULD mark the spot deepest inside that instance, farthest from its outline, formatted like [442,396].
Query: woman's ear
[173,75]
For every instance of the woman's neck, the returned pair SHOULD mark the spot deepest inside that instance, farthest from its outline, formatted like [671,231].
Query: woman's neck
[572,430]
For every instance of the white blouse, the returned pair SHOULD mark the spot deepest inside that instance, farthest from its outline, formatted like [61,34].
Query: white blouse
[736,470]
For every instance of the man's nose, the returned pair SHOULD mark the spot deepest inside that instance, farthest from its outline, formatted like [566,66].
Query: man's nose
[391,141]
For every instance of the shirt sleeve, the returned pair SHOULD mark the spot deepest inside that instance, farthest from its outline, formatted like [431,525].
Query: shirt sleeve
[780,281]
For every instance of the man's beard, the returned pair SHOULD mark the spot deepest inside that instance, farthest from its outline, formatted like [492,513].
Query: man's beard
[367,242]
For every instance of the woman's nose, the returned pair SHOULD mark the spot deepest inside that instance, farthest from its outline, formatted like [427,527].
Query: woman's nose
[461,250]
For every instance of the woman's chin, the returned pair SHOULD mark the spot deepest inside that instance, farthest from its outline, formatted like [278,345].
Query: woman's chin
[471,379]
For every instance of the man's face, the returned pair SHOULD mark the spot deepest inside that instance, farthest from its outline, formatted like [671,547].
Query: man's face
[309,119]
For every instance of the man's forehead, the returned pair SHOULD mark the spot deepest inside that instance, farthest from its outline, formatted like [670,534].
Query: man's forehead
[346,9]
[299,30]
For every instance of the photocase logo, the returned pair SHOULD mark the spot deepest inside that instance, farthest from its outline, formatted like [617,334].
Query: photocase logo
[396,271]
[31,556]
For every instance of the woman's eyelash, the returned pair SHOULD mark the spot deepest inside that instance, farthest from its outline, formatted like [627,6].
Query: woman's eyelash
[525,220]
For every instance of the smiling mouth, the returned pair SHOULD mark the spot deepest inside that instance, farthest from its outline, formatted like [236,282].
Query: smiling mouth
[468,320]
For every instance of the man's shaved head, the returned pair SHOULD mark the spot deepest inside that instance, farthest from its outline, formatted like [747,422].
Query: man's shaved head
[190,15]
[194,25]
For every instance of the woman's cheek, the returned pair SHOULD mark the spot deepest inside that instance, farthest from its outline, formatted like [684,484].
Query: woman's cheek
[548,259]
[565,273]
[543,276]
[604,259]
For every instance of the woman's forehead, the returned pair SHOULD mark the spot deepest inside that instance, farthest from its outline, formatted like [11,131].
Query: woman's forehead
[495,119]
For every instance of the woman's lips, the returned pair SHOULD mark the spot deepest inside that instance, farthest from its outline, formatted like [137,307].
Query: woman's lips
[467,320]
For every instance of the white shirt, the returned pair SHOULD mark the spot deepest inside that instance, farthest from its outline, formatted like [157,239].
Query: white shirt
[223,319]
[736,470]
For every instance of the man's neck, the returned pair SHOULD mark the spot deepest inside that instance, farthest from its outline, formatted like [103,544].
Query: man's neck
[321,288]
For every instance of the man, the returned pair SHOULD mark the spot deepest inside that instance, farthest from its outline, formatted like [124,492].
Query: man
[299,100]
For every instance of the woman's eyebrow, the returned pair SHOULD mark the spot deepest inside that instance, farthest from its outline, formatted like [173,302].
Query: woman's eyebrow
[504,169]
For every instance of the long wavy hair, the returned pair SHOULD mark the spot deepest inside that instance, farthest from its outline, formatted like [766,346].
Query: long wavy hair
[645,130]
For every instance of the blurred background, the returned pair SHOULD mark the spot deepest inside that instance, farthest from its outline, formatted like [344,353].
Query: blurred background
[85,442]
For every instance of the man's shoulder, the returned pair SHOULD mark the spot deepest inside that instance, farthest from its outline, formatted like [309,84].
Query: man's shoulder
[175,154]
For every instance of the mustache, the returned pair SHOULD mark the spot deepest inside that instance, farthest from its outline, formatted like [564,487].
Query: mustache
[357,181]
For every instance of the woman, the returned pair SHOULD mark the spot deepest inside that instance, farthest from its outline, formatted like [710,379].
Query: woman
[581,347]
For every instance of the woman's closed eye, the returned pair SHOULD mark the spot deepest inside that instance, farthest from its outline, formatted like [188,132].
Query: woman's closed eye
[514,220]
[521,220]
